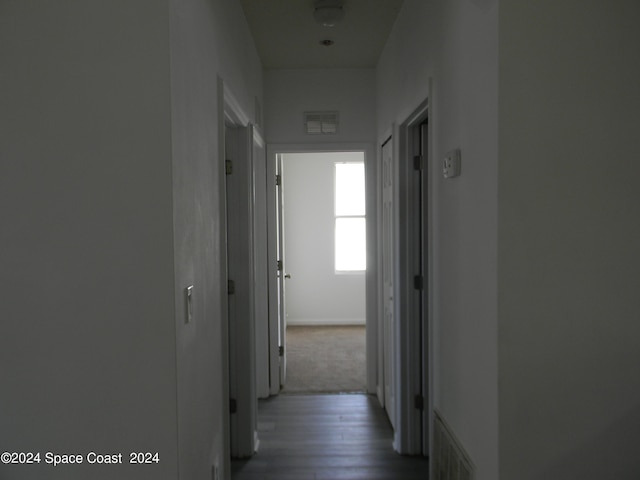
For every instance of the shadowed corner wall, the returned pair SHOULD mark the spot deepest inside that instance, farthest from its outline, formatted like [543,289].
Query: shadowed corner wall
[87,349]
[454,45]
[537,340]
[109,209]
[569,235]
[209,39]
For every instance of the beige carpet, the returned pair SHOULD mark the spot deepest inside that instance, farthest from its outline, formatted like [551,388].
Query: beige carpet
[326,360]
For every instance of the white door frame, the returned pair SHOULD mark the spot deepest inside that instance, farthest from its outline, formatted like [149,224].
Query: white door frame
[281,360]
[244,423]
[387,217]
[372,247]
[415,352]
[272,273]
[261,277]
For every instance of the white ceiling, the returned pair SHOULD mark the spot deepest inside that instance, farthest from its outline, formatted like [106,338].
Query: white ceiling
[287,36]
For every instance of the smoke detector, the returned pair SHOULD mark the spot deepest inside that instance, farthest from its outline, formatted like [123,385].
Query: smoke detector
[328,12]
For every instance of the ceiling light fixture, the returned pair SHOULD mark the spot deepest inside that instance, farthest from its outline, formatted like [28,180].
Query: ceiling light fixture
[328,12]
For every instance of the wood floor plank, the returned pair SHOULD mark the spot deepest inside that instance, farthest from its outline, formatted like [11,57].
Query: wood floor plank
[322,437]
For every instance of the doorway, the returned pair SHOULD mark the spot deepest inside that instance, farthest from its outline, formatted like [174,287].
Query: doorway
[413,285]
[324,256]
[405,282]
[318,293]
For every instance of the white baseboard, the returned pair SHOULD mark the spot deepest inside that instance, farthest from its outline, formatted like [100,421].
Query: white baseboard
[256,441]
[317,322]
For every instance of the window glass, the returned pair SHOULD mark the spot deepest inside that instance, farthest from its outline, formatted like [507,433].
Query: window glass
[350,222]
[350,189]
[351,252]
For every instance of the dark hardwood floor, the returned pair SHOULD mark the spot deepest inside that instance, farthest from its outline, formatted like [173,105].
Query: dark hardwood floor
[326,437]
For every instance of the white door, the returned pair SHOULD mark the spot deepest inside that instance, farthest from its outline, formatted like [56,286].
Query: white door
[387,278]
[282,313]
[425,268]
[240,270]
[260,252]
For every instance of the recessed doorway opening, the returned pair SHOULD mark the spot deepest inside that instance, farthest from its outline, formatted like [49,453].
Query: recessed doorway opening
[324,237]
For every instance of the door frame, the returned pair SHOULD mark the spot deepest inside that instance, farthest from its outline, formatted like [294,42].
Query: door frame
[415,359]
[282,275]
[386,347]
[231,115]
[260,252]
[372,247]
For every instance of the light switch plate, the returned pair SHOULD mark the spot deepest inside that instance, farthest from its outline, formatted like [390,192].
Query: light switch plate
[451,164]
[189,294]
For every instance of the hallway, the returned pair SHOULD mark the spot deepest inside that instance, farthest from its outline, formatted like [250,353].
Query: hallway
[326,437]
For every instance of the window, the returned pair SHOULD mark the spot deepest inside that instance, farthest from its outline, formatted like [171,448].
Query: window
[350,222]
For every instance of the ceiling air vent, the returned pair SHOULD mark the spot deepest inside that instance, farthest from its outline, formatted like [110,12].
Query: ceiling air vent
[321,123]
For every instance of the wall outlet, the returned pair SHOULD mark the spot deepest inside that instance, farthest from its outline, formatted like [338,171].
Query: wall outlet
[451,164]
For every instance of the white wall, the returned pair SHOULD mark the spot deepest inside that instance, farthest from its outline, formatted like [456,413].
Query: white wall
[208,39]
[566,227]
[110,208]
[455,44]
[569,235]
[87,349]
[290,93]
[315,294]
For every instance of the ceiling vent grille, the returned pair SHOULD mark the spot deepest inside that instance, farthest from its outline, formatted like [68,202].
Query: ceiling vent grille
[321,123]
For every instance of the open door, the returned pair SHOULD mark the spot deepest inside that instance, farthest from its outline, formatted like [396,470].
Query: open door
[412,286]
[282,276]
[261,276]
[241,295]
[277,276]
[425,263]
[388,323]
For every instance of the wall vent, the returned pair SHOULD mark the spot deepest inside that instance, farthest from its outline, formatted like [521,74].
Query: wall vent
[451,462]
[321,123]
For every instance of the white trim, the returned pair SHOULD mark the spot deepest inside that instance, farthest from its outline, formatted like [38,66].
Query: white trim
[379,285]
[372,243]
[410,379]
[349,272]
[233,111]
[222,279]
[239,376]
[261,254]
[318,322]
[272,272]
[380,394]
[428,342]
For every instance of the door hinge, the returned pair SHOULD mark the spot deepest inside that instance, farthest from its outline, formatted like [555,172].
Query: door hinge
[228,167]
[233,405]
[231,287]
[279,265]
[281,350]
[278,180]
[417,162]
[418,282]
[418,402]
